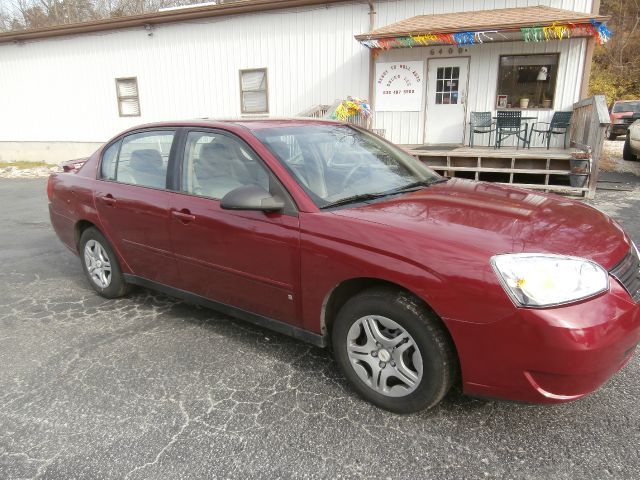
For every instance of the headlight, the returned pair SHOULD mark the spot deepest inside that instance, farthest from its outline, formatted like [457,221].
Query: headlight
[542,280]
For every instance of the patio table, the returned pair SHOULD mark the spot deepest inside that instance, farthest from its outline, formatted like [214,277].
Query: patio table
[526,120]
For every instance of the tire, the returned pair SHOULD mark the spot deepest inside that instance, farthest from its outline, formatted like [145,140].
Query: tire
[96,254]
[611,135]
[400,378]
[627,154]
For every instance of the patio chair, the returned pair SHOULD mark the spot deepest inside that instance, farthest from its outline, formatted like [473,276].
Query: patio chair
[481,123]
[509,123]
[559,125]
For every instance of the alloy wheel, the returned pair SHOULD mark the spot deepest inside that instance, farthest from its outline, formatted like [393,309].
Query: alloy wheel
[98,263]
[384,355]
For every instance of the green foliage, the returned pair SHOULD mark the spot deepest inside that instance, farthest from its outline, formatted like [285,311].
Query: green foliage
[616,69]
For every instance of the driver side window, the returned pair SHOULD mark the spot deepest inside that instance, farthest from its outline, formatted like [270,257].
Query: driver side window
[214,164]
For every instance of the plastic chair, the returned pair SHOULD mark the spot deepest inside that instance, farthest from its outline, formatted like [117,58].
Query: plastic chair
[481,123]
[509,123]
[559,125]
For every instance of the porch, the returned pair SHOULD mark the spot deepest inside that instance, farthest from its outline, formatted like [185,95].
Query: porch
[535,168]
[572,171]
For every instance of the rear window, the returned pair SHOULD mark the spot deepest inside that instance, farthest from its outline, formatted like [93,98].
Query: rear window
[627,107]
[139,159]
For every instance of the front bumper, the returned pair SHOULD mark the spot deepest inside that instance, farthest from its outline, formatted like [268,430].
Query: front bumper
[619,128]
[549,355]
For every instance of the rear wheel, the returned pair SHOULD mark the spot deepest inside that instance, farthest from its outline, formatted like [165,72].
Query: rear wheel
[394,351]
[101,265]
[627,154]
[610,134]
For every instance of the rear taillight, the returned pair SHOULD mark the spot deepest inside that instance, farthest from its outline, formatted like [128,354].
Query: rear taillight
[50,188]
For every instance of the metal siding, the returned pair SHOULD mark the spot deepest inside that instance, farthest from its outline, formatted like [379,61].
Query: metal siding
[391,11]
[63,89]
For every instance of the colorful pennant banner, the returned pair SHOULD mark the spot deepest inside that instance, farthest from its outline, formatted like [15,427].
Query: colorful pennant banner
[558,31]
[555,31]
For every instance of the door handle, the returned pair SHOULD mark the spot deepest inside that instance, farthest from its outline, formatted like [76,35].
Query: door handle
[183,215]
[109,200]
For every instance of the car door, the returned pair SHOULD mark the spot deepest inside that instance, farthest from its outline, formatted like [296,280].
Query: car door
[133,202]
[246,259]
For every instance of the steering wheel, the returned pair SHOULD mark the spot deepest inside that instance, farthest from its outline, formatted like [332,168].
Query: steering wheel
[352,172]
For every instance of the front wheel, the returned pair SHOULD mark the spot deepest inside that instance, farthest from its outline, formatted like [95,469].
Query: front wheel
[627,153]
[610,135]
[394,351]
[101,265]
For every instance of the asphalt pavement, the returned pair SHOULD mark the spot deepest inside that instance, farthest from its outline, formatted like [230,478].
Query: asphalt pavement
[151,387]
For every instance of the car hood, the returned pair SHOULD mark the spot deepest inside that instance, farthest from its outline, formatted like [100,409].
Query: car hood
[488,219]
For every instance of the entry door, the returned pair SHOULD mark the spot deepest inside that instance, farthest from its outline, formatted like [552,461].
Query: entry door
[446,100]
[246,259]
[133,203]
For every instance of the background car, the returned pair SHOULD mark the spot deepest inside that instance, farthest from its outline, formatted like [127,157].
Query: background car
[621,115]
[631,149]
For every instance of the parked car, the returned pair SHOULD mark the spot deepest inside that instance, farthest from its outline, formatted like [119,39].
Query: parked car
[621,115]
[631,150]
[328,233]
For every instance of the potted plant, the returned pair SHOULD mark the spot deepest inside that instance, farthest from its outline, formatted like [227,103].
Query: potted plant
[546,102]
[524,102]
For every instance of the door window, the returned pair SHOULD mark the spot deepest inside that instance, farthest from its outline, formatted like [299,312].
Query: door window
[109,162]
[143,159]
[214,164]
[447,85]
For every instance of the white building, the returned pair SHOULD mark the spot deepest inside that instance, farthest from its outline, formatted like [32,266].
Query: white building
[65,90]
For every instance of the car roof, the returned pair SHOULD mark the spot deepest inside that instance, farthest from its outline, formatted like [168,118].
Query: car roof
[247,123]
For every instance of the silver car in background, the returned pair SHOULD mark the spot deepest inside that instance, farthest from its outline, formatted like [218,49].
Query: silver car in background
[631,149]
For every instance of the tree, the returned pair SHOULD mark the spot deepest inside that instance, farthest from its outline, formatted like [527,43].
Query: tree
[616,70]
[30,14]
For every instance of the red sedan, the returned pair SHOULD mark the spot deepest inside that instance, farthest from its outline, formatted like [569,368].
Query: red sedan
[328,233]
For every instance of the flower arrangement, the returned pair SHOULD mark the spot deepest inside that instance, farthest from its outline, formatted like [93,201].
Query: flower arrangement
[352,107]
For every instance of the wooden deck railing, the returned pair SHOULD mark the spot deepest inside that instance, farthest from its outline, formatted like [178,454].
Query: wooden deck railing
[317,111]
[588,130]
[326,111]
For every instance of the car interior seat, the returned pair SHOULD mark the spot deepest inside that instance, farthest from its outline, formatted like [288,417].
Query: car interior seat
[146,168]
[218,170]
[309,171]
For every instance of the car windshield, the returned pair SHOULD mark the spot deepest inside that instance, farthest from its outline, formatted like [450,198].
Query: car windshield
[626,107]
[339,164]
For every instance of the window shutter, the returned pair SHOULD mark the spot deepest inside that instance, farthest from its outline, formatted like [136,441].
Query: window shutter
[128,99]
[254,95]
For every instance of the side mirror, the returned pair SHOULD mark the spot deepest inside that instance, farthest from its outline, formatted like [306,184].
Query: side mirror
[251,197]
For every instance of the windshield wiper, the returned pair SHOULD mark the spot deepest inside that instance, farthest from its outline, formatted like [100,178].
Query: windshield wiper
[417,185]
[355,198]
[370,196]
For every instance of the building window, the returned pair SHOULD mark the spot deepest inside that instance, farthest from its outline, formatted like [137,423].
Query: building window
[448,85]
[527,81]
[128,100]
[253,90]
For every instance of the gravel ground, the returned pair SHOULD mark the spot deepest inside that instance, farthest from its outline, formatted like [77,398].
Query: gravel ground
[148,387]
[37,172]
[612,158]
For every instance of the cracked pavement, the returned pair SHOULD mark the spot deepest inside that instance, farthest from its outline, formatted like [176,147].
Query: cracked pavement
[150,387]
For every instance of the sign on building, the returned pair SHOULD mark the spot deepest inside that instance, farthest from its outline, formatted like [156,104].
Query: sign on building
[399,86]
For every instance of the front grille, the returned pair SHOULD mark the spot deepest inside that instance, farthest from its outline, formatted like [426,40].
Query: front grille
[627,272]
